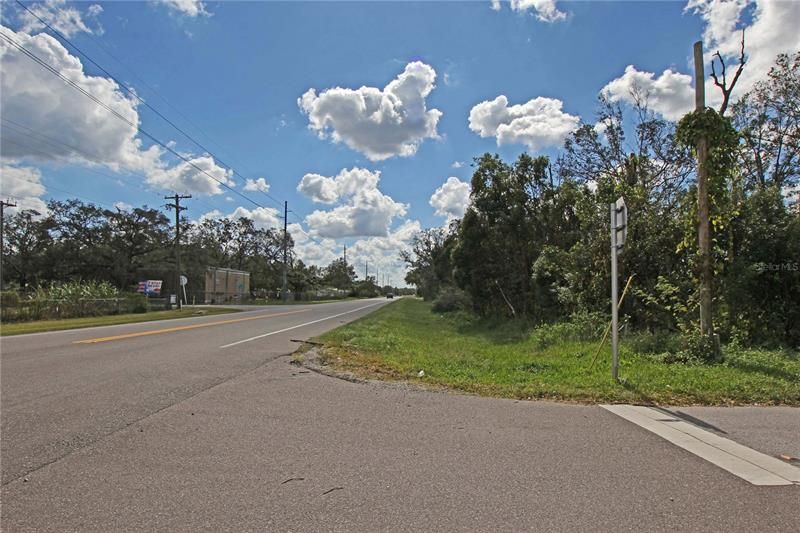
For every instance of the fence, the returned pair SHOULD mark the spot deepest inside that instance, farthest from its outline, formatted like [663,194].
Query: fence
[15,309]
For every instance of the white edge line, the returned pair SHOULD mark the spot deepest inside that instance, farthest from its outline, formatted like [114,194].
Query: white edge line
[299,326]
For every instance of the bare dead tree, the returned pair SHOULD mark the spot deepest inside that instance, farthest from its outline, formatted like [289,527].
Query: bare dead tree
[727,90]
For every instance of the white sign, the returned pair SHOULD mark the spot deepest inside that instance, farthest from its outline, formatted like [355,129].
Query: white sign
[621,214]
[184,280]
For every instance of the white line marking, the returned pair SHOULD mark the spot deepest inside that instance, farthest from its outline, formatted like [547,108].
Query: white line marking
[145,323]
[298,326]
[746,463]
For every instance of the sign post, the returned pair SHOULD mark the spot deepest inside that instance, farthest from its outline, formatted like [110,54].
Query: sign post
[619,231]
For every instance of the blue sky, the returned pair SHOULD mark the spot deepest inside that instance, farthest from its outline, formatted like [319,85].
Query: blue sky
[237,69]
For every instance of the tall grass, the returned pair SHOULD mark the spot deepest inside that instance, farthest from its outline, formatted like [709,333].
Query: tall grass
[72,299]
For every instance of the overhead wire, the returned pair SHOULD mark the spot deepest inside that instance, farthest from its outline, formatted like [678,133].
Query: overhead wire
[43,138]
[115,113]
[70,193]
[133,93]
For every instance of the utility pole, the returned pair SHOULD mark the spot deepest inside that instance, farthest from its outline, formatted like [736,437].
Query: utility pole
[366,270]
[345,257]
[284,291]
[177,207]
[703,226]
[3,205]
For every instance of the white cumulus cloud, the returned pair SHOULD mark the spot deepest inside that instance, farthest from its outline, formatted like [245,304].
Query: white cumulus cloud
[451,199]
[262,217]
[259,184]
[545,10]
[47,121]
[23,185]
[772,31]
[670,94]
[77,130]
[380,252]
[323,189]
[380,123]
[200,175]
[66,19]
[363,210]
[188,8]
[538,123]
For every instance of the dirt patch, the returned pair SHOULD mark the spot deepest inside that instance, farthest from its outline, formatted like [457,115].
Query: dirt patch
[315,358]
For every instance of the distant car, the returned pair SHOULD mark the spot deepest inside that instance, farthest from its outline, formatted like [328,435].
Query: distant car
[389,295]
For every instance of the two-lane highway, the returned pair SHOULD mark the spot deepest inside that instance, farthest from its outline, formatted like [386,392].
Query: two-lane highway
[62,391]
[199,425]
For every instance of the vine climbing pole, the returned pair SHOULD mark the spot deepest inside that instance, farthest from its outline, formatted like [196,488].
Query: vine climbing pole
[703,224]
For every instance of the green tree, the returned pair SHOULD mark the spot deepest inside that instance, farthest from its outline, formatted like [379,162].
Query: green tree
[27,238]
[339,274]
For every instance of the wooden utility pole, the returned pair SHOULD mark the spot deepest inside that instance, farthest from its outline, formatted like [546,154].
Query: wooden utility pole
[177,207]
[3,205]
[284,289]
[703,224]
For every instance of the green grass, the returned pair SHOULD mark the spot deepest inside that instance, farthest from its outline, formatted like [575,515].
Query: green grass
[511,361]
[38,326]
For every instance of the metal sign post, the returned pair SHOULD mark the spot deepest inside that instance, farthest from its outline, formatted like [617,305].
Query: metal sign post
[619,231]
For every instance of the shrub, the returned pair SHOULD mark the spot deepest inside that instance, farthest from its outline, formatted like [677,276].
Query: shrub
[451,299]
[136,303]
[658,342]
[695,349]
[9,299]
[582,326]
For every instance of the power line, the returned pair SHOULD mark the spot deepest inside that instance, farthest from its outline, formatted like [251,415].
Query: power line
[54,142]
[307,234]
[71,83]
[130,91]
[70,193]
[135,95]
[41,137]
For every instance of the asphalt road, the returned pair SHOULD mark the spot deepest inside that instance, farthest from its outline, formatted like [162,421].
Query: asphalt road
[171,431]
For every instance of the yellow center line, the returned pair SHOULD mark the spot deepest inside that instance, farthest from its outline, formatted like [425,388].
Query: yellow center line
[183,328]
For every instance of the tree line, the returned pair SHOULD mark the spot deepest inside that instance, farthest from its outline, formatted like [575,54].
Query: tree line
[75,240]
[534,241]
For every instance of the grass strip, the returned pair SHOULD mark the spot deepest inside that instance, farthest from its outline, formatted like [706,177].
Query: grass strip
[513,361]
[39,326]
